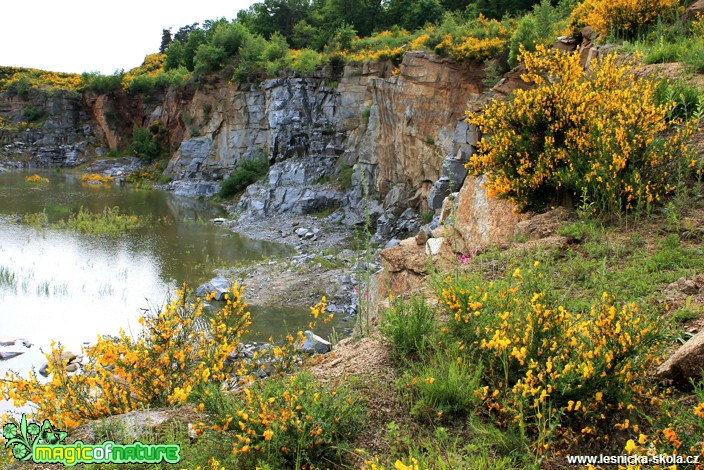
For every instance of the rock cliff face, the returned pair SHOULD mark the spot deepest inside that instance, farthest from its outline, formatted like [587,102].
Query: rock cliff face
[44,129]
[391,139]
[416,119]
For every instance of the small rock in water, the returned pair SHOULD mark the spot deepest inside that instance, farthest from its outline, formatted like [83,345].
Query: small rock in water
[219,220]
[12,347]
[315,344]
[218,284]
[70,361]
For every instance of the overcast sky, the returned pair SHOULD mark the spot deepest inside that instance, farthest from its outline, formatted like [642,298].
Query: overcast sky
[85,36]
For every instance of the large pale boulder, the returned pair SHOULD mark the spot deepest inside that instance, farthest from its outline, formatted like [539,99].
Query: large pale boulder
[686,363]
[480,220]
[693,11]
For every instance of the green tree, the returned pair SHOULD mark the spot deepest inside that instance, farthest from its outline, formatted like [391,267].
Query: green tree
[250,64]
[165,40]
[195,40]
[183,32]
[230,37]
[274,16]
[209,59]
[304,35]
[144,145]
[174,56]
[362,15]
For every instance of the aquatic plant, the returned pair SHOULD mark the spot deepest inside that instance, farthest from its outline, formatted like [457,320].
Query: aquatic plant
[36,179]
[111,221]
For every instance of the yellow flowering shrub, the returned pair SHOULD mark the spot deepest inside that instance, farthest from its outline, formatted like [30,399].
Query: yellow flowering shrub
[418,44]
[601,136]
[481,40]
[542,364]
[470,47]
[153,65]
[35,78]
[96,178]
[287,420]
[179,349]
[36,179]
[621,16]
[372,55]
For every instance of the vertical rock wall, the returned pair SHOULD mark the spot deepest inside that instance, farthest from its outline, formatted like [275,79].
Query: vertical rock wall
[396,127]
[41,128]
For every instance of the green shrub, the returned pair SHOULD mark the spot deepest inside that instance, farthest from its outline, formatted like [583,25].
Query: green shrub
[408,325]
[446,385]
[246,173]
[32,114]
[144,145]
[209,59]
[682,98]
[94,81]
[287,422]
[20,88]
[230,37]
[306,62]
[688,50]
[344,177]
[250,66]
[110,222]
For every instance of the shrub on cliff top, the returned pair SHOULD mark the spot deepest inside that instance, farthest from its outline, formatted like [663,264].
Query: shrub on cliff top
[94,81]
[600,136]
[621,17]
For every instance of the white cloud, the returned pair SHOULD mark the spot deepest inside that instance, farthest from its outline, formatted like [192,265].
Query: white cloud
[81,35]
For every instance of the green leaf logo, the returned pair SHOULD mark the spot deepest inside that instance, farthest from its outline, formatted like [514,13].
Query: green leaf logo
[21,438]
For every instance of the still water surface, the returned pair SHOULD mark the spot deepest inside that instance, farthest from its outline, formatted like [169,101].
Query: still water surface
[71,287]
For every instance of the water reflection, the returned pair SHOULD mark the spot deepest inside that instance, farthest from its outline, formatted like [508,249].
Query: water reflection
[71,287]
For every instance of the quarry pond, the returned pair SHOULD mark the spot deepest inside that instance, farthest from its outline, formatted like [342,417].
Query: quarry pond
[65,285]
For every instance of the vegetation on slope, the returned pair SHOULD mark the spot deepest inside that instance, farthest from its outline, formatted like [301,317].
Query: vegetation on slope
[520,357]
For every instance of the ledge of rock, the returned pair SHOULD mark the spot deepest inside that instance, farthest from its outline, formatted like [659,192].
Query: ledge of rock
[408,255]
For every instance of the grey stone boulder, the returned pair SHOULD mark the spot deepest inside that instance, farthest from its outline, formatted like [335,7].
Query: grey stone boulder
[12,347]
[392,243]
[424,234]
[454,170]
[438,192]
[315,344]
[70,361]
[194,152]
[218,284]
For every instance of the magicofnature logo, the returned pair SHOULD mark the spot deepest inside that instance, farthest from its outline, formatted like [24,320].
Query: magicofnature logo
[29,441]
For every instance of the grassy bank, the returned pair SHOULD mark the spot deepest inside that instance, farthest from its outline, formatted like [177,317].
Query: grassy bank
[514,358]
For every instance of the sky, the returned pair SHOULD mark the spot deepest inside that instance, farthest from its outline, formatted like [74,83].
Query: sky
[95,36]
